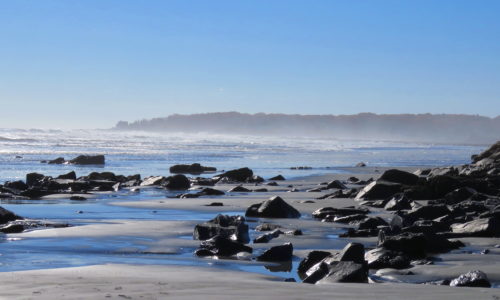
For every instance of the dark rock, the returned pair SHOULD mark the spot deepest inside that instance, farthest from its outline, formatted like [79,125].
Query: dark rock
[261,190]
[203,181]
[336,184]
[35,193]
[57,161]
[7,215]
[109,176]
[429,212]
[277,253]
[238,175]
[360,165]
[71,175]
[191,169]
[398,176]
[488,227]
[77,198]
[311,259]
[378,190]
[471,279]
[344,271]
[353,252]
[203,252]
[267,237]
[492,153]
[278,177]
[223,246]
[294,232]
[223,225]
[255,179]
[380,258]
[372,223]
[215,204]
[239,189]
[88,160]
[459,195]
[267,227]
[16,185]
[352,219]
[442,185]
[353,179]
[417,245]
[398,202]
[177,182]
[211,192]
[324,212]
[33,178]
[12,228]
[272,208]
[272,183]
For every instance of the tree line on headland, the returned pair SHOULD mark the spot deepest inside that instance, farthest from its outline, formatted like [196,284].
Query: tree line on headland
[433,128]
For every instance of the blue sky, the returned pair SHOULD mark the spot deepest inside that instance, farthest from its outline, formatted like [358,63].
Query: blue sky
[88,64]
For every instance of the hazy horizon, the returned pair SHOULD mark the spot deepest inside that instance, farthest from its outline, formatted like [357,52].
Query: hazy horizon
[89,64]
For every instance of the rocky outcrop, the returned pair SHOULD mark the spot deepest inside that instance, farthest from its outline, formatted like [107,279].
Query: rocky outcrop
[88,160]
[193,169]
[237,175]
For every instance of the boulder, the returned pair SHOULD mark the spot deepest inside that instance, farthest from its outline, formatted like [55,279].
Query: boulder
[16,185]
[398,176]
[222,246]
[354,252]
[238,175]
[459,195]
[428,212]
[311,259]
[378,190]
[278,177]
[417,245]
[88,160]
[239,189]
[336,184]
[177,182]
[471,279]
[487,227]
[191,169]
[71,175]
[7,215]
[277,253]
[442,184]
[57,161]
[275,207]
[380,258]
[33,178]
[346,271]
[232,226]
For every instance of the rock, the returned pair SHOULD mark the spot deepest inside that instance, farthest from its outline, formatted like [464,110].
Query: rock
[380,258]
[272,183]
[261,190]
[275,207]
[12,228]
[492,153]
[88,160]
[267,227]
[215,204]
[325,212]
[71,175]
[459,195]
[57,161]
[153,180]
[7,215]
[277,253]
[203,181]
[177,182]
[351,219]
[331,270]
[428,212]
[336,184]
[487,227]
[255,179]
[33,178]
[472,279]
[267,237]
[398,176]
[417,245]
[360,165]
[278,177]
[223,225]
[311,259]
[77,198]
[109,176]
[222,246]
[398,202]
[353,252]
[372,223]
[16,185]
[211,192]
[442,184]
[239,189]
[378,190]
[238,175]
[191,169]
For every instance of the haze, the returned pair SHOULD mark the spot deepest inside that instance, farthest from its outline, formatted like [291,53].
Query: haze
[89,64]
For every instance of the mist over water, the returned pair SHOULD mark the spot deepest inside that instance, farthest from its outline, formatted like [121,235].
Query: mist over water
[152,153]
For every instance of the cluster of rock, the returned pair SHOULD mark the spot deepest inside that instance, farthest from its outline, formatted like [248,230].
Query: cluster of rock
[79,160]
[227,236]
[12,223]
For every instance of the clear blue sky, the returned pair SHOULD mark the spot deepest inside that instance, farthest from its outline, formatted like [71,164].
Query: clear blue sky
[91,63]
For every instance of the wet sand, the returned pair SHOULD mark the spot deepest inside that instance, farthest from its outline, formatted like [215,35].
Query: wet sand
[185,282]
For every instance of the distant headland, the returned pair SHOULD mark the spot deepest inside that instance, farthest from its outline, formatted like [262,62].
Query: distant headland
[431,128]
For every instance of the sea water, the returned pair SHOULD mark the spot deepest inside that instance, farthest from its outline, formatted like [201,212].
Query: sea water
[152,154]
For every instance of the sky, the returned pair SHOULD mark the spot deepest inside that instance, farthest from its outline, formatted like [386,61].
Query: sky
[89,64]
